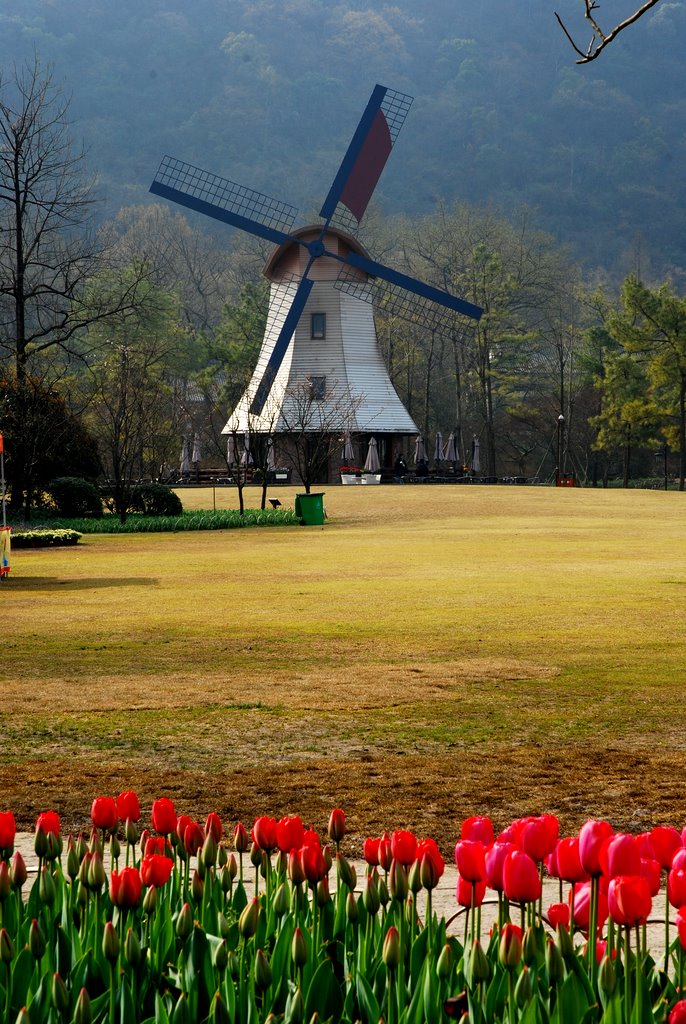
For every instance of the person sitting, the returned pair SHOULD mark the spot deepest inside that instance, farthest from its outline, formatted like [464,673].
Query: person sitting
[400,469]
[422,468]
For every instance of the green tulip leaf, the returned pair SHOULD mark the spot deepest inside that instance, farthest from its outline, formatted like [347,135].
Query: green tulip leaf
[369,1008]
[324,995]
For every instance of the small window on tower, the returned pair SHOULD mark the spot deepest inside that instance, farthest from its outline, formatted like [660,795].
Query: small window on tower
[318,325]
[318,388]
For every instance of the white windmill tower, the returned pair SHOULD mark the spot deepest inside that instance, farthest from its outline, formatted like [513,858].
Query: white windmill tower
[320,330]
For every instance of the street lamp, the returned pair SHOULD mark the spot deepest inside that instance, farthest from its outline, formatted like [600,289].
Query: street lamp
[560,433]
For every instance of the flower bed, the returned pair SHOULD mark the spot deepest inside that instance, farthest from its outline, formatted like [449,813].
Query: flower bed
[44,538]
[187,929]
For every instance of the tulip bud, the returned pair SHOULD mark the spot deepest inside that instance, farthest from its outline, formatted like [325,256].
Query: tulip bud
[607,978]
[18,872]
[221,957]
[110,942]
[208,854]
[73,862]
[282,900]
[299,948]
[131,832]
[218,1012]
[54,846]
[247,922]
[150,901]
[398,881]
[529,947]
[390,952]
[197,886]
[295,1008]
[255,856]
[281,863]
[414,878]
[336,825]
[36,940]
[241,840]
[96,872]
[444,965]
[234,966]
[81,894]
[82,1011]
[564,943]
[385,852]
[59,994]
[554,962]
[200,870]
[383,893]
[225,879]
[145,835]
[232,865]
[328,859]
[352,911]
[295,868]
[46,887]
[510,949]
[478,967]
[223,926]
[346,872]
[132,948]
[181,1014]
[222,856]
[6,946]
[371,896]
[115,848]
[323,896]
[5,881]
[23,1017]
[523,988]
[263,972]
[184,922]
[40,843]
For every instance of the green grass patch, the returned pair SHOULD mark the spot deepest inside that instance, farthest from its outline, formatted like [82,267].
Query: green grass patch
[222,519]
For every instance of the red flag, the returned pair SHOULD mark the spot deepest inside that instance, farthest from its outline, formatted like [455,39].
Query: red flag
[2,445]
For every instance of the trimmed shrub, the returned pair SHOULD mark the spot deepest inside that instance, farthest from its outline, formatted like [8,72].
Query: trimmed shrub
[75,497]
[43,538]
[155,500]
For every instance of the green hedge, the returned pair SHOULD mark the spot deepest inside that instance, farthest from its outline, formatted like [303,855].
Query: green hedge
[44,538]
[226,519]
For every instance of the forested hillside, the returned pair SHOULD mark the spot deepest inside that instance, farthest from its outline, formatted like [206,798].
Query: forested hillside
[267,92]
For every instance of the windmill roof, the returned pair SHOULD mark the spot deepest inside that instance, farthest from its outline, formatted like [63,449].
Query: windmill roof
[314,230]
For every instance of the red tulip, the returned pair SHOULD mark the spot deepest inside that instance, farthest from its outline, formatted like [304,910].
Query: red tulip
[311,838]
[620,855]
[48,822]
[629,900]
[313,863]
[470,894]
[155,844]
[591,838]
[290,834]
[8,830]
[679,860]
[295,867]
[651,870]
[182,823]
[104,813]
[125,888]
[193,838]
[156,870]
[478,829]
[538,837]
[645,845]
[494,861]
[676,888]
[370,851]
[681,926]
[18,872]
[510,948]
[431,863]
[213,825]
[582,906]
[666,841]
[404,846]
[164,816]
[128,807]
[385,852]
[678,1013]
[336,827]
[569,865]
[264,833]
[521,881]
[241,839]
[551,864]
[559,914]
[470,859]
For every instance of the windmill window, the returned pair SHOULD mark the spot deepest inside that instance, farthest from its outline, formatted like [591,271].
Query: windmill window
[318,326]
[318,388]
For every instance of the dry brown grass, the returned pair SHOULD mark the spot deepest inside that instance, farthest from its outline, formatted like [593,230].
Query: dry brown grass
[431,652]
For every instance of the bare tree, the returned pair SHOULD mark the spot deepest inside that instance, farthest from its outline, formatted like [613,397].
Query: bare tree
[49,250]
[600,38]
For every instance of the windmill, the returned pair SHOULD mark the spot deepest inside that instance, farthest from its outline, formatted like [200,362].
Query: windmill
[307,265]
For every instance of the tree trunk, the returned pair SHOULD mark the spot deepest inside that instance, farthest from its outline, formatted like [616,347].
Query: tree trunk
[682,432]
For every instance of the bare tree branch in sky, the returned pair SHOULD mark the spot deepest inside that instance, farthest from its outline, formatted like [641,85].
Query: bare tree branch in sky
[599,37]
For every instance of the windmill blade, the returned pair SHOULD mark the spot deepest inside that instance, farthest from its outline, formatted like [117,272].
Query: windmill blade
[224,200]
[367,153]
[404,296]
[288,326]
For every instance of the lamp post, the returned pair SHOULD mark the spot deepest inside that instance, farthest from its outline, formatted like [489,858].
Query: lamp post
[560,433]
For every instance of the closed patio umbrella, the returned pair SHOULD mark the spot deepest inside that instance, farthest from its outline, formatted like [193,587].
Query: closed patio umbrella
[476,461]
[450,453]
[271,462]
[419,451]
[230,450]
[197,454]
[372,464]
[246,457]
[348,450]
[185,461]
[438,447]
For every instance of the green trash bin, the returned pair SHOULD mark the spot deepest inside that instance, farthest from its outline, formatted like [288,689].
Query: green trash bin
[309,508]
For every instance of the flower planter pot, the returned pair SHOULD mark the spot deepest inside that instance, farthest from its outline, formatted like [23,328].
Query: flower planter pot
[349,478]
[370,478]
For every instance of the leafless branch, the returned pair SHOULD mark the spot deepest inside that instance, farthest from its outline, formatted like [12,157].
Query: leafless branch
[599,38]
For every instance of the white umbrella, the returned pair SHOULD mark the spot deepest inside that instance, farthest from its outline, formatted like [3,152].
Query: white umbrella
[476,462]
[450,453]
[372,464]
[419,451]
[197,454]
[348,450]
[271,462]
[185,463]
[246,457]
[438,447]
[230,450]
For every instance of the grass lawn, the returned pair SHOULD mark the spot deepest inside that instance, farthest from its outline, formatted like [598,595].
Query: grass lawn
[430,653]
